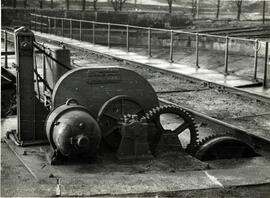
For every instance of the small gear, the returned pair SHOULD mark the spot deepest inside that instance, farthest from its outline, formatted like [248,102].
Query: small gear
[187,123]
[225,146]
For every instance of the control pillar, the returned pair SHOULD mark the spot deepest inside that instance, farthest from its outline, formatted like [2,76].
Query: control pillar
[30,111]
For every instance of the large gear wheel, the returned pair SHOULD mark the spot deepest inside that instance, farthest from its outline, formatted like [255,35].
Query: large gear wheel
[172,119]
[111,114]
[217,147]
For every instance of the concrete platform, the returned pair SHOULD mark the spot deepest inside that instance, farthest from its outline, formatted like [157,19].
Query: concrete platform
[186,70]
[167,175]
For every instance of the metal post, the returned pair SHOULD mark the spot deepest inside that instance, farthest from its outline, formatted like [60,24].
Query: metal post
[24,85]
[35,22]
[226,56]
[149,42]
[6,49]
[44,71]
[127,42]
[80,30]
[49,25]
[197,50]
[30,25]
[265,76]
[93,33]
[62,27]
[55,25]
[41,26]
[70,28]
[171,47]
[109,35]
[256,58]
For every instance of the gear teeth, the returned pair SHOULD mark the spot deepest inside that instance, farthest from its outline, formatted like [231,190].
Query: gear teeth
[157,111]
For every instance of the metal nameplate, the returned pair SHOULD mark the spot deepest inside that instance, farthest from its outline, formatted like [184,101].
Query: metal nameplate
[102,76]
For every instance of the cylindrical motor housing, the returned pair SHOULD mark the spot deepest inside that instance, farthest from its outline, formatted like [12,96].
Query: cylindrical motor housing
[72,131]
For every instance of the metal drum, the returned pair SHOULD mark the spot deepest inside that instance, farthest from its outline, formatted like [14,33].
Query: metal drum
[72,131]
[94,86]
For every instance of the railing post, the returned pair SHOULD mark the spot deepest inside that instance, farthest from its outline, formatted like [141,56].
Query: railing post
[30,25]
[62,27]
[149,42]
[49,25]
[109,35]
[197,51]
[93,36]
[226,56]
[70,28]
[171,47]
[6,49]
[55,25]
[127,42]
[44,71]
[35,22]
[255,59]
[265,76]
[80,30]
[41,25]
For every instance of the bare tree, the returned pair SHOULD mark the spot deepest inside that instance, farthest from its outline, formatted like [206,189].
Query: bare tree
[239,8]
[193,8]
[83,4]
[51,4]
[95,4]
[117,4]
[263,12]
[25,3]
[40,4]
[218,8]
[67,4]
[14,3]
[170,2]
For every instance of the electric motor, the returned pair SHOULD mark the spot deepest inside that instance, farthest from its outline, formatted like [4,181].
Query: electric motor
[72,131]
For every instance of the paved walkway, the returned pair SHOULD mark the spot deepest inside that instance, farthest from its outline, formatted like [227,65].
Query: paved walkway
[186,70]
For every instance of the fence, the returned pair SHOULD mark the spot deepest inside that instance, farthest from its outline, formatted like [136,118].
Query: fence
[67,26]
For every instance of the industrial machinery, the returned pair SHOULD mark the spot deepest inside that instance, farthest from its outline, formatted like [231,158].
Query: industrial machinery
[89,110]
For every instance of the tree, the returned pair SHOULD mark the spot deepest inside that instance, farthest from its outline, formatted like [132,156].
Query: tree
[239,8]
[95,4]
[67,4]
[40,4]
[25,3]
[218,7]
[193,8]
[51,4]
[117,4]
[263,11]
[170,2]
[83,4]
[14,3]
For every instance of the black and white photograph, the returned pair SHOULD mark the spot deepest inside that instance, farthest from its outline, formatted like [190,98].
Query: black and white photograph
[135,98]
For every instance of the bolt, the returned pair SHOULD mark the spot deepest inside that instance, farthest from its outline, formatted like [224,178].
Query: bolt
[82,125]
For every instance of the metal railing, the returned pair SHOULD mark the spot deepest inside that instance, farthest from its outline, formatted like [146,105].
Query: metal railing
[50,24]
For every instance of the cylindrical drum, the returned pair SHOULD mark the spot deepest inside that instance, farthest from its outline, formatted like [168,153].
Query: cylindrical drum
[72,131]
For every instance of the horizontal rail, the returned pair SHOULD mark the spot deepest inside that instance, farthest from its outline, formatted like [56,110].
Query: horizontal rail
[44,24]
[147,28]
